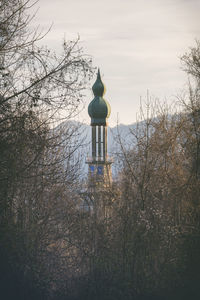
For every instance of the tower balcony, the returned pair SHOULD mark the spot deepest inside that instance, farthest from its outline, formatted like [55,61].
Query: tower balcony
[99,160]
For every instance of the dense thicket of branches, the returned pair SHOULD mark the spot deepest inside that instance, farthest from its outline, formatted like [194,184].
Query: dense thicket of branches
[148,245]
[39,89]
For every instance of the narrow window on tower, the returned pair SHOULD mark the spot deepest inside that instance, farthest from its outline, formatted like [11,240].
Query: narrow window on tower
[92,170]
[100,170]
[102,142]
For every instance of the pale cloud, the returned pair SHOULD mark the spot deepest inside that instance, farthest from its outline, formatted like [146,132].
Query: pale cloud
[136,43]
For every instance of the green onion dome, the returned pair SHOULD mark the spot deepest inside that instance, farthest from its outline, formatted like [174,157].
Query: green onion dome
[99,109]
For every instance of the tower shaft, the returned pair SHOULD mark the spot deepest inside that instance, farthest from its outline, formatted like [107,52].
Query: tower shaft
[99,143]
[99,175]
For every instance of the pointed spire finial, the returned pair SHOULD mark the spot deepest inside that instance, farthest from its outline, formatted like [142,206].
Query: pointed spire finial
[98,87]
[98,74]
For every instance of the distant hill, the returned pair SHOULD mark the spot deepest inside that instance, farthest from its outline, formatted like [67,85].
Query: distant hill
[82,135]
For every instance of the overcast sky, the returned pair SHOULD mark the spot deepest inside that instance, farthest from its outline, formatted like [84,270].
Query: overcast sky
[136,44]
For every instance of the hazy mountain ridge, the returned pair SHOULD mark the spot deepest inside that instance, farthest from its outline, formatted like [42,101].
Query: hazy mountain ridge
[81,135]
[84,132]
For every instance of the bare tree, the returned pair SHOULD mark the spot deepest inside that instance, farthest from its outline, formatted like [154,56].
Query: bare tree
[39,89]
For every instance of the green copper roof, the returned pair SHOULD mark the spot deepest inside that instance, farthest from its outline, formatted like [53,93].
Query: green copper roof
[99,109]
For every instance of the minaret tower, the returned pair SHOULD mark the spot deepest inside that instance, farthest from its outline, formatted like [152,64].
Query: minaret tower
[99,177]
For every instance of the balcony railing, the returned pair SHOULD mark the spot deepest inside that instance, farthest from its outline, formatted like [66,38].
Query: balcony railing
[108,159]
